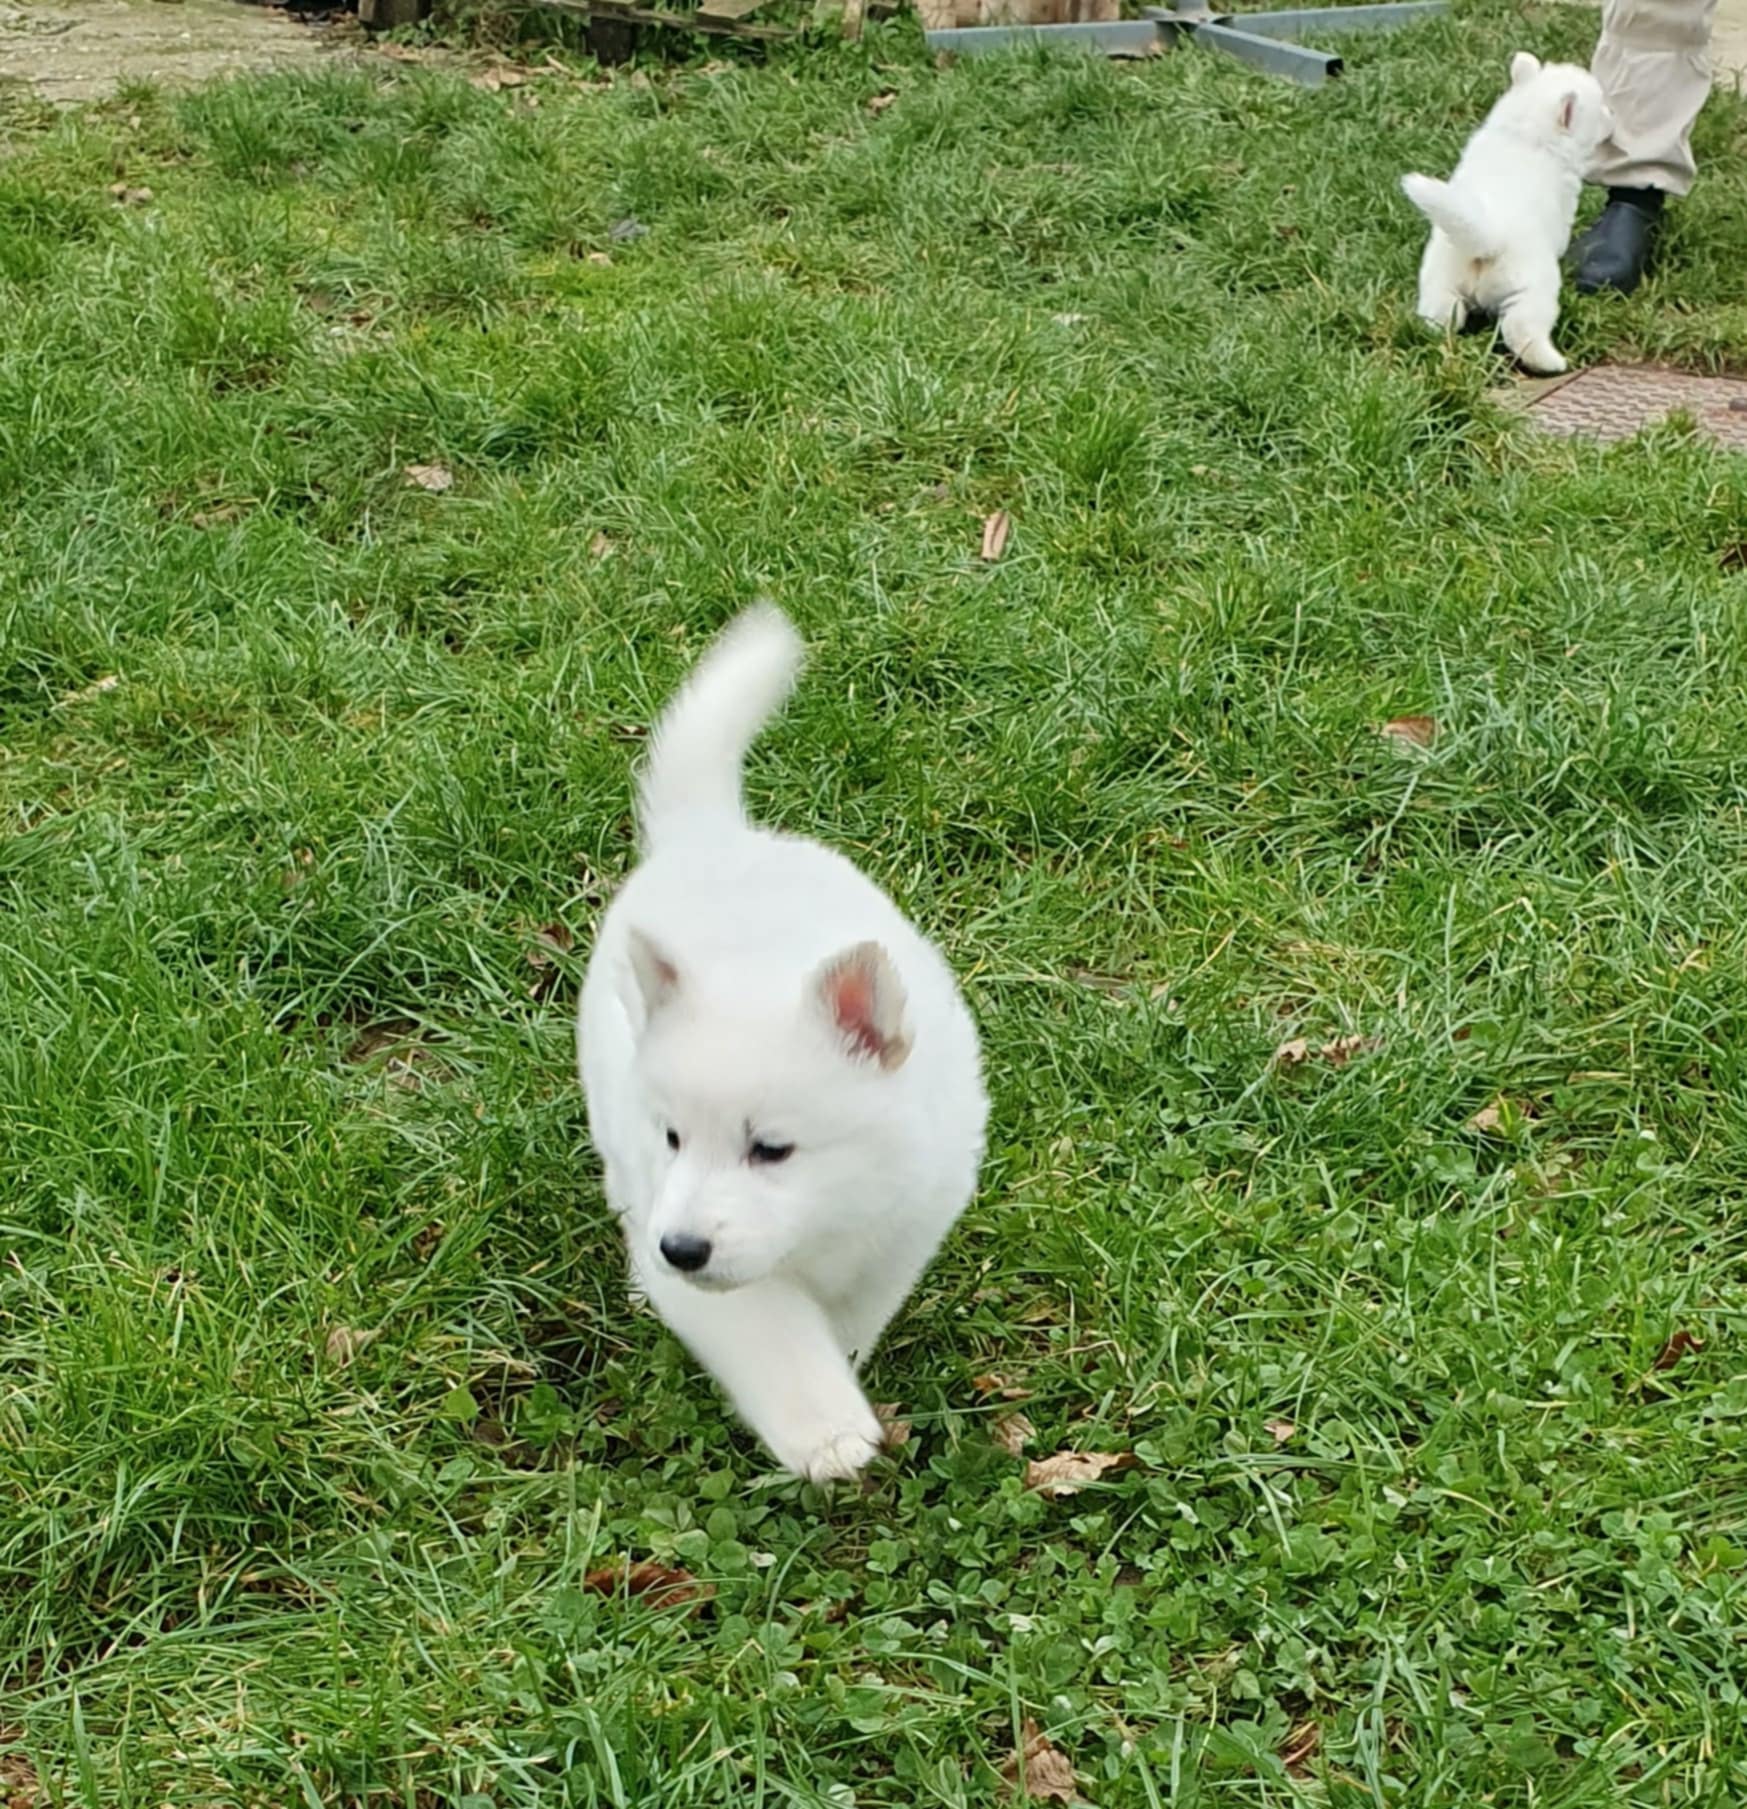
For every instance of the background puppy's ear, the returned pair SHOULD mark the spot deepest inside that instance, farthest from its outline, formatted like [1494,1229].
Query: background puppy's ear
[655,974]
[862,999]
[1523,66]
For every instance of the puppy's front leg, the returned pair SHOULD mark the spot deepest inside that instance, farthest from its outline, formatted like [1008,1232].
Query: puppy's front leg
[771,1347]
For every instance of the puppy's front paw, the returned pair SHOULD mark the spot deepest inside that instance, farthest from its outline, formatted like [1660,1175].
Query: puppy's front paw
[830,1453]
[840,1457]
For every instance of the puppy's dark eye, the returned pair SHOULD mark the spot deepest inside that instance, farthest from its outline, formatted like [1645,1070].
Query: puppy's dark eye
[770,1153]
[672,1138]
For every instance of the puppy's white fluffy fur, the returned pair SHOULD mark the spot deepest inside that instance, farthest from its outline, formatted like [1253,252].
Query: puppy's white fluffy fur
[783,1082]
[1502,222]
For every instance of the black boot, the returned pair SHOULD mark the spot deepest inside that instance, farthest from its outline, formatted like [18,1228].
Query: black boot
[1614,252]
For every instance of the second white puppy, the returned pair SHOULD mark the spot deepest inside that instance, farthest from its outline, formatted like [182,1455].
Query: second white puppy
[1502,222]
[783,1082]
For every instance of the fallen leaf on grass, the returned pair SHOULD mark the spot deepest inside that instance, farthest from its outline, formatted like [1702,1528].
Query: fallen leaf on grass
[1069,1471]
[1012,1432]
[343,1343]
[1037,1771]
[602,260]
[659,1585]
[1488,1118]
[622,232]
[1411,731]
[995,535]
[1676,1348]
[96,688]
[1337,1052]
[895,1431]
[20,1787]
[1300,1748]
[994,1384]
[881,101]
[130,197]
[1279,1430]
[599,547]
[553,940]
[503,75]
[435,478]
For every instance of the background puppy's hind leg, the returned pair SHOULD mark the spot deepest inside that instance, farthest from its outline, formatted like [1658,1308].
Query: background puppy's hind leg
[1526,326]
[1442,304]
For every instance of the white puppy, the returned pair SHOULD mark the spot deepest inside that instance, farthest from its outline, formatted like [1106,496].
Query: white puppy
[1501,224]
[783,1082]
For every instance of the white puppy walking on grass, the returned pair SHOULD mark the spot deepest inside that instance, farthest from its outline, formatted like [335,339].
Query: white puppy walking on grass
[783,1082]
[1502,222]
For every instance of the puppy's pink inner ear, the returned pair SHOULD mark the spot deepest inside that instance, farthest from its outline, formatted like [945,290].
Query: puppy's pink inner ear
[864,1001]
[1567,112]
[656,974]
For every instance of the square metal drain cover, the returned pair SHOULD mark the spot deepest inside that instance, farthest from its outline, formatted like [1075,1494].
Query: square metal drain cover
[1614,401]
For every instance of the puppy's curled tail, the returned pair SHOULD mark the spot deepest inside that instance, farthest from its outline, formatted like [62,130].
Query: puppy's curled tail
[743,679]
[1466,229]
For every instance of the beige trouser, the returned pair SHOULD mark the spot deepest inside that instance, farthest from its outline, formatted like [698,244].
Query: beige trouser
[1653,62]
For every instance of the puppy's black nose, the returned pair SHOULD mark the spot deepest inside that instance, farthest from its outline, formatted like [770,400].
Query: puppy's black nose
[687,1253]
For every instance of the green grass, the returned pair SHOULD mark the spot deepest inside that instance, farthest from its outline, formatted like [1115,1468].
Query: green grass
[363,742]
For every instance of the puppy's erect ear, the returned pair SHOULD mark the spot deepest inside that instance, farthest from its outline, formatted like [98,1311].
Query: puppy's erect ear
[1568,110]
[862,999]
[653,970]
[1523,66]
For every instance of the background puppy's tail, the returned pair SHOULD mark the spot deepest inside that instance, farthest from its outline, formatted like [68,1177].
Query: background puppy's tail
[701,740]
[1466,228]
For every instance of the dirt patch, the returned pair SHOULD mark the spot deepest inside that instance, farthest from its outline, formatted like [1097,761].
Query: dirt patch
[68,51]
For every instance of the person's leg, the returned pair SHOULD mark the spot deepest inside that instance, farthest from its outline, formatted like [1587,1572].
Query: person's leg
[1652,62]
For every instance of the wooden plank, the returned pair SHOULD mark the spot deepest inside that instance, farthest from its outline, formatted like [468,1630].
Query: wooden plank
[728,9]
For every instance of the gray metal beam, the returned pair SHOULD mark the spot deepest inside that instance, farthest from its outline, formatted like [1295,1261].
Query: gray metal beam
[1386,16]
[1311,68]
[1115,38]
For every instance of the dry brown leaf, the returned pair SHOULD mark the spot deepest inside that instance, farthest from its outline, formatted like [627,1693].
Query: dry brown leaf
[435,478]
[553,940]
[96,688]
[660,1585]
[602,260]
[343,1343]
[1412,731]
[1069,1471]
[1337,1052]
[1279,1430]
[20,1786]
[1012,1432]
[881,101]
[995,534]
[130,197]
[1300,1748]
[896,1431]
[501,75]
[1037,1772]
[1676,1348]
[994,1384]
[1489,1117]
[599,547]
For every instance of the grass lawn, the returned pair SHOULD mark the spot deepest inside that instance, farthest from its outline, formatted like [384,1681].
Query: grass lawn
[320,1396]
